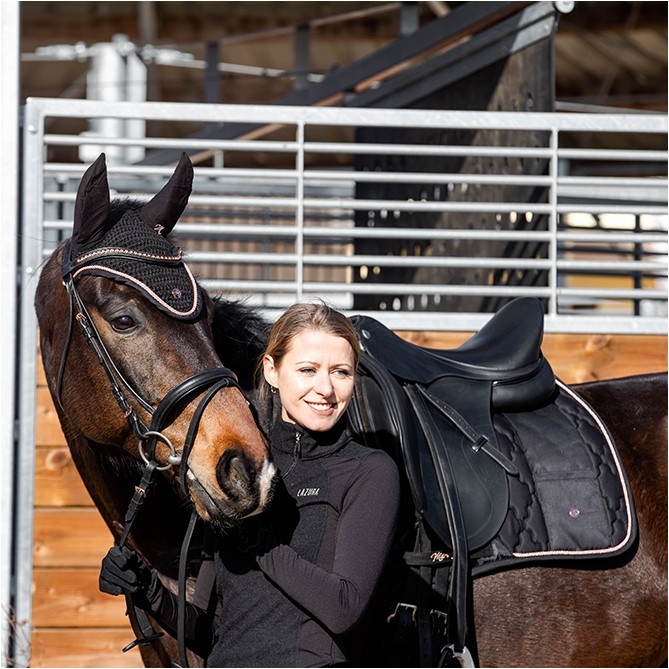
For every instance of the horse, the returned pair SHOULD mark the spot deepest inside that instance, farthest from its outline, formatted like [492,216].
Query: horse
[604,612]
[126,341]
[149,349]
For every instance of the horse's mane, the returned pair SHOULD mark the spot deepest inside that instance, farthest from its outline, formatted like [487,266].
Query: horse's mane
[240,334]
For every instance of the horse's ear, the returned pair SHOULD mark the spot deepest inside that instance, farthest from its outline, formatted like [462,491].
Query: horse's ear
[163,211]
[91,208]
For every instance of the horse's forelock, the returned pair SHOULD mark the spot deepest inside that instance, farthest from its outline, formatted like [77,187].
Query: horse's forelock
[120,206]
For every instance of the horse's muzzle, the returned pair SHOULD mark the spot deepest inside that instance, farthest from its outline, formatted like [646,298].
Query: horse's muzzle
[245,488]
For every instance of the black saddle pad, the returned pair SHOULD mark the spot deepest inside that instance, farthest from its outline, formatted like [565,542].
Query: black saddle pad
[571,498]
[567,498]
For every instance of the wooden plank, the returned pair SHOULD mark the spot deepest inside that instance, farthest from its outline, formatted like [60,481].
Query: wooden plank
[57,481]
[77,648]
[70,537]
[47,425]
[578,358]
[72,598]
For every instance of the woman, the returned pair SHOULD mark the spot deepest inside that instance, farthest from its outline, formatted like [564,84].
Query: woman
[292,583]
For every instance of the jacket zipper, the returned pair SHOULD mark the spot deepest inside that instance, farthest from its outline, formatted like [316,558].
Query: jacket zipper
[297,453]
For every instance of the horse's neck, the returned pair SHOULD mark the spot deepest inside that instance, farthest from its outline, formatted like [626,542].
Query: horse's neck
[240,334]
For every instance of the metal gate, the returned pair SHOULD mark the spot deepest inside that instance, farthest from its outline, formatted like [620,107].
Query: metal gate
[292,209]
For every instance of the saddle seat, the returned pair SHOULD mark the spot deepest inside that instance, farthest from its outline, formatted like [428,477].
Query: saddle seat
[505,351]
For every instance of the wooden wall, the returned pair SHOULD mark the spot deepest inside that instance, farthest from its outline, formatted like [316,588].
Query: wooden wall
[74,625]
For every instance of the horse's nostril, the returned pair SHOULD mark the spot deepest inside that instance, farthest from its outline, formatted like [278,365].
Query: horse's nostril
[235,474]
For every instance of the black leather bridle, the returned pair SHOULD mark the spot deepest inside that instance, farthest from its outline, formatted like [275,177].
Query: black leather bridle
[211,381]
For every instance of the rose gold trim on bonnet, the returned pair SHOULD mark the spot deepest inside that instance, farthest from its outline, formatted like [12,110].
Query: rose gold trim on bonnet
[132,279]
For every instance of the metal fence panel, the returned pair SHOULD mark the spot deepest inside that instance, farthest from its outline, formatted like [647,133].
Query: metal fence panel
[302,226]
[284,214]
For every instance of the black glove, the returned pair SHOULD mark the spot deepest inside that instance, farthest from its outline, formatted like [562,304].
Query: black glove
[124,572]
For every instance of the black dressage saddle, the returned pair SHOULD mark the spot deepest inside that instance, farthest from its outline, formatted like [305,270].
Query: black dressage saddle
[498,454]
[434,408]
[433,411]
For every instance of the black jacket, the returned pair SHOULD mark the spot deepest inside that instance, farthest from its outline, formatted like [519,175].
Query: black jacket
[293,582]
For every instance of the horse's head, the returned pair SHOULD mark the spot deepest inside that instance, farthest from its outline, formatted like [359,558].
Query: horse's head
[143,357]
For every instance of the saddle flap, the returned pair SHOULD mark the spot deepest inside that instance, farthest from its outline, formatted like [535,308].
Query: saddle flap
[397,419]
[479,481]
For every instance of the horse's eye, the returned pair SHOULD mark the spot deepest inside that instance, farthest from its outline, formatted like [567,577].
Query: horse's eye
[122,323]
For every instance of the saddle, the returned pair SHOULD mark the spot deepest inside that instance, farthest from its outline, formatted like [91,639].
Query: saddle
[494,447]
[438,407]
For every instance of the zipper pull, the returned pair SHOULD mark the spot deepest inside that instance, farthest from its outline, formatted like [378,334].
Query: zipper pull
[297,449]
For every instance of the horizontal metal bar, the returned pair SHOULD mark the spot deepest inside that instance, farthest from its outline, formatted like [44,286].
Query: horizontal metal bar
[607,237]
[629,155]
[339,116]
[324,260]
[292,203]
[315,287]
[358,260]
[283,146]
[181,143]
[252,232]
[583,185]
[611,208]
[655,183]
[466,322]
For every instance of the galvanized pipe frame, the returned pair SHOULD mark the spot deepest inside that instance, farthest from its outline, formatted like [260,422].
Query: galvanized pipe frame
[43,225]
[300,205]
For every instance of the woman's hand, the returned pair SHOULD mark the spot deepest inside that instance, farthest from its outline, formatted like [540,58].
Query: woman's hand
[124,572]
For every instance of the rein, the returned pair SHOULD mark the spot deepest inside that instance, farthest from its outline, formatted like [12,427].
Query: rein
[211,381]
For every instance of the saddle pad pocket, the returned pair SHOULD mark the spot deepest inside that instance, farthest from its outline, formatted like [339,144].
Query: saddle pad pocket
[573,511]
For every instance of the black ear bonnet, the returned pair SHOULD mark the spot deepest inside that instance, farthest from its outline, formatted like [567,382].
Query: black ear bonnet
[134,250]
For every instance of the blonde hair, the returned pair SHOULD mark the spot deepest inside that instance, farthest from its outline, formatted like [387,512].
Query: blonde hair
[303,316]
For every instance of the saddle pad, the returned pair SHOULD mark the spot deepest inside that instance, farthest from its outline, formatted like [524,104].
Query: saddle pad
[571,498]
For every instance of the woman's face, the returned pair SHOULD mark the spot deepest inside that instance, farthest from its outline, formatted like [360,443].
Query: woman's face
[314,380]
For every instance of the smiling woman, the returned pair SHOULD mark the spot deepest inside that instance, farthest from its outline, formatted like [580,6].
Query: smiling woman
[311,359]
[291,584]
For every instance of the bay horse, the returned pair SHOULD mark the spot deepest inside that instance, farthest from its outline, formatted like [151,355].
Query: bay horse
[127,346]
[608,612]
[164,344]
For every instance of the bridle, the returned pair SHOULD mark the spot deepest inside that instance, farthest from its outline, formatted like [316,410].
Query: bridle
[209,382]
[220,377]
